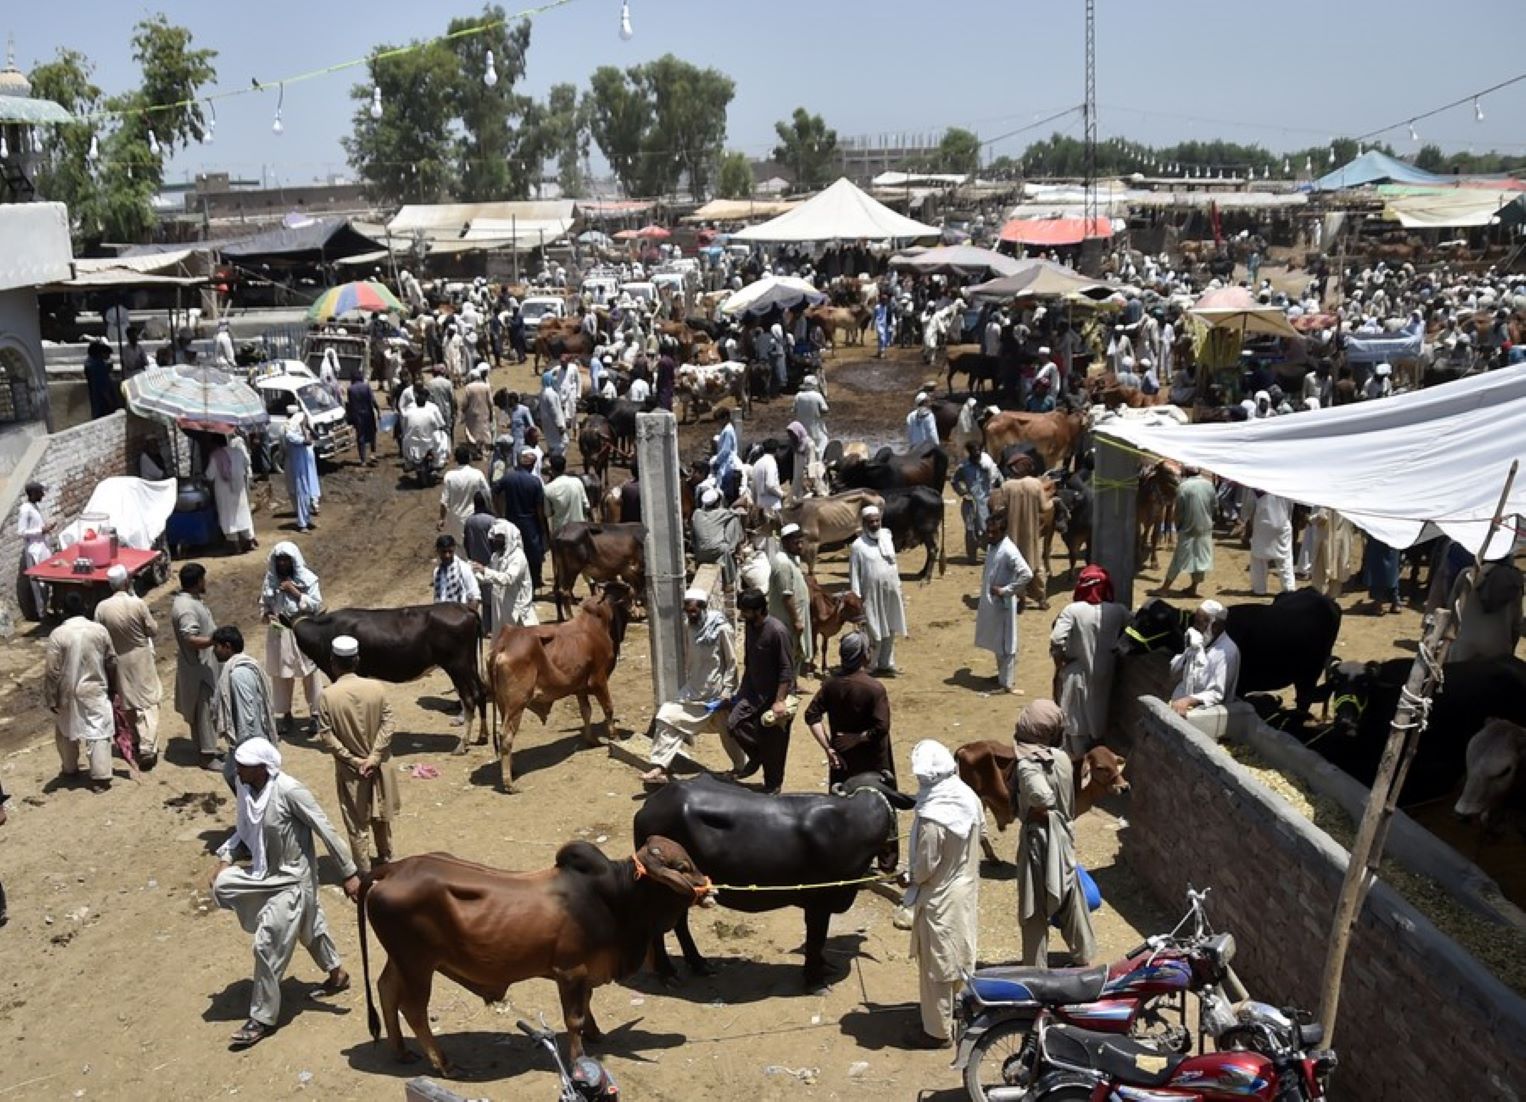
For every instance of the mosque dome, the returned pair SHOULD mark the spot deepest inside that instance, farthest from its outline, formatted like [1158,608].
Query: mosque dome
[13,81]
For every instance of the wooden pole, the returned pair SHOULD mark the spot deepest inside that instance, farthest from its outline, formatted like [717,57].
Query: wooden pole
[1404,736]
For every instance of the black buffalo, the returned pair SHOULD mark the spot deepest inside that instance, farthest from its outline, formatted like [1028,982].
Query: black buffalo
[1284,643]
[915,516]
[1365,696]
[743,838]
[403,644]
[1073,517]
[888,470]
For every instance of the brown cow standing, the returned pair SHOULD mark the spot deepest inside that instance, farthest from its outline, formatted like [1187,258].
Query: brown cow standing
[829,612]
[534,667]
[1053,435]
[585,922]
[988,767]
[598,552]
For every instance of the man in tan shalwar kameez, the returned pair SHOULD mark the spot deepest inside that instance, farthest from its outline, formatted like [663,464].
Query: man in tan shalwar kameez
[945,886]
[79,676]
[1047,882]
[355,725]
[126,618]
[477,411]
[1022,499]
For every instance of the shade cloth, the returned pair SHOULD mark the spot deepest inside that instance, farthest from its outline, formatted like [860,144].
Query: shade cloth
[1034,278]
[1401,468]
[1406,344]
[956,260]
[1055,231]
[1460,208]
[843,212]
[770,292]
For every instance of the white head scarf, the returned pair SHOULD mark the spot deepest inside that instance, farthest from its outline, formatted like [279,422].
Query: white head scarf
[881,539]
[250,821]
[270,594]
[942,797]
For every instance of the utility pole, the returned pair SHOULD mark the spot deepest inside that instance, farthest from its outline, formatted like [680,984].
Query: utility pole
[1089,207]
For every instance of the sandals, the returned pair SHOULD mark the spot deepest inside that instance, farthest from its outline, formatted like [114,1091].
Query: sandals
[335,984]
[251,1034]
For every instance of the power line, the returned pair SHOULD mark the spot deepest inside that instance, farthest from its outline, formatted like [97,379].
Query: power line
[1471,98]
[1034,125]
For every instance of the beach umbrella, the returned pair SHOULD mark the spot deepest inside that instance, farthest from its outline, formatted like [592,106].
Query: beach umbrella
[772,292]
[195,397]
[348,298]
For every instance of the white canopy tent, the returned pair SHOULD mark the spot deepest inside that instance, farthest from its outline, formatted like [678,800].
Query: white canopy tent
[842,212]
[1400,468]
[771,292]
[965,260]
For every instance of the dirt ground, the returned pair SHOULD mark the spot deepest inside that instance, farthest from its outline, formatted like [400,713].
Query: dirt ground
[119,979]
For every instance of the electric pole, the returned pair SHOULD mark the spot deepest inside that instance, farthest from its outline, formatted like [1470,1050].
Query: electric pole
[1089,208]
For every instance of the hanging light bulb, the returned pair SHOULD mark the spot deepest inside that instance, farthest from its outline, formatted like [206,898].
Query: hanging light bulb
[153,143]
[489,72]
[376,107]
[5,150]
[1414,135]
[211,127]
[1478,110]
[278,127]
[627,32]
[1308,164]
[95,148]
[1332,150]
[1287,167]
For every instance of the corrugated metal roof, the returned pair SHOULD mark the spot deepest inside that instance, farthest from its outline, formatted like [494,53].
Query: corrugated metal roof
[31,112]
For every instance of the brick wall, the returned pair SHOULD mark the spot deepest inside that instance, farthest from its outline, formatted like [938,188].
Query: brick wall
[69,464]
[1419,1018]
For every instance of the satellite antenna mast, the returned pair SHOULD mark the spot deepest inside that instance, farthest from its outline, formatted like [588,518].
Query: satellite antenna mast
[1090,111]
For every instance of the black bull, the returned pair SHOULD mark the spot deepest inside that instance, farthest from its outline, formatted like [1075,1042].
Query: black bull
[744,838]
[403,644]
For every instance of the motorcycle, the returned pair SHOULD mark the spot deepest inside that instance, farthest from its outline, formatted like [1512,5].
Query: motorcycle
[585,1081]
[1263,1053]
[1142,997]
[426,469]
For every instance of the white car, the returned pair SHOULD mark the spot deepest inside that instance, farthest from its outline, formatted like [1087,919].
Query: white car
[600,289]
[284,383]
[640,291]
[536,307]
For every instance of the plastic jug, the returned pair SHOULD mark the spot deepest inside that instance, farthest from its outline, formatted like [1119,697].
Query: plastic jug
[98,543]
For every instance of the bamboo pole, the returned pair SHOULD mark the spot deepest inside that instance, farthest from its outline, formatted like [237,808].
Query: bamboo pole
[1404,736]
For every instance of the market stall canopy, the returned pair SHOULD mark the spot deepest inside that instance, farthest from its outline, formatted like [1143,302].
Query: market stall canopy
[1365,460]
[26,111]
[505,225]
[195,397]
[1375,167]
[842,212]
[316,241]
[1055,231]
[361,295]
[1235,308]
[740,210]
[645,233]
[1456,208]
[1035,278]
[956,260]
[771,292]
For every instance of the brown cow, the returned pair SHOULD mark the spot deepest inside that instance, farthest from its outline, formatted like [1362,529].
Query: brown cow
[848,320]
[829,612]
[535,667]
[1156,501]
[987,767]
[585,922]
[598,552]
[827,522]
[1053,435]
[554,343]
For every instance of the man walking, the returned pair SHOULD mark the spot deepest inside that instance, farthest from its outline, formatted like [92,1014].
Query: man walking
[1082,642]
[505,580]
[454,582]
[1271,540]
[875,579]
[710,678]
[276,897]
[195,665]
[524,506]
[355,725]
[361,411]
[1196,500]
[1002,582]
[290,590]
[243,705]
[789,598]
[1022,501]
[858,710]
[79,676]
[763,707]
[126,618]
[566,499]
[458,490]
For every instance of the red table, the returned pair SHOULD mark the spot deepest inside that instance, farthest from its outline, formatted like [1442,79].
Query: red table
[58,570]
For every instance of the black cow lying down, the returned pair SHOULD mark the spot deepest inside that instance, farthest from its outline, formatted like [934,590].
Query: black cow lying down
[403,644]
[741,837]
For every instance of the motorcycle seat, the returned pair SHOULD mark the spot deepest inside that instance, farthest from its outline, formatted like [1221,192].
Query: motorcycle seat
[1054,987]
[1119,1058]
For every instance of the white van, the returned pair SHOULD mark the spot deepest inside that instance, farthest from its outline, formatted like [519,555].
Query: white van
[536,307]
[283,383]
[601,290]
[640,290]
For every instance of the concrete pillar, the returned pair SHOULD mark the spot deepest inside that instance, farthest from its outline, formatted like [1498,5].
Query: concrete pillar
[1115,488]
[657,454]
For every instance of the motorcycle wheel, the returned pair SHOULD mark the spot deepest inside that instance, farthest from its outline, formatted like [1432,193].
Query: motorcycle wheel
[995,1061]
[1074,1091]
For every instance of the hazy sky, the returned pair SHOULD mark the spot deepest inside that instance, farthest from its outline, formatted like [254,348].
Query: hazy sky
[1285,75]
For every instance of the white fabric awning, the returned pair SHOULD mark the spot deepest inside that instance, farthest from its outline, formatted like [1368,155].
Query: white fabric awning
[1400,468]
[525,225]
[769,293]
[842,212]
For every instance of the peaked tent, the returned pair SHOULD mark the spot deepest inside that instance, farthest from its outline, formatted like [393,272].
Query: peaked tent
[842,212]
[1236,309]
[1364,459]
[771,292]
[1034,278]
[956,260]
[1374,167]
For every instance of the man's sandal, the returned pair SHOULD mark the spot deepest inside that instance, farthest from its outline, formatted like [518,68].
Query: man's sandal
[251,1034]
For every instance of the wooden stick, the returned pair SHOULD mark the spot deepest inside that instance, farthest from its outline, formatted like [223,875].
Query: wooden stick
[1403,739]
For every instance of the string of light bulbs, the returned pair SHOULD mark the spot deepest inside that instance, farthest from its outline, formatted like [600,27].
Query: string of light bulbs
[1475,98]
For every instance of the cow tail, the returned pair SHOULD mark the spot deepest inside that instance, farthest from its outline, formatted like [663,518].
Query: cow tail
[373,1022]
[942,539]
[484,680]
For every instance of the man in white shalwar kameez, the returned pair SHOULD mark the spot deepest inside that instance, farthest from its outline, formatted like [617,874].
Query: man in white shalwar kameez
[276,897]
[710,676]
[944,895]
[79,676]
[1208,669]
[1005,576]
[875,579]
[34,530]
[291,589]
[459,490]
[1081,643]
[506,578]
[229,471]
[1271,540]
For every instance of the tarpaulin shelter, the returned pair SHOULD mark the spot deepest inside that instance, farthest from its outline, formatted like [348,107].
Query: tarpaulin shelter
[320,241]
[1055,231]
[771,292]
[1362,459]
[520,226]
[843,212]
[1375,167]
[740,210]
[1034,278]
[956,260]
[1236,309]
[1456,208]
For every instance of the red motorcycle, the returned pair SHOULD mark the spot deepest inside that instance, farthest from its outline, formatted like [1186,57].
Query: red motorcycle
[1263,1055]
[1142,997]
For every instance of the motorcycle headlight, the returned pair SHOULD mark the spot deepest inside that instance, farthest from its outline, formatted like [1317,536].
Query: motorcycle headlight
[1222,948]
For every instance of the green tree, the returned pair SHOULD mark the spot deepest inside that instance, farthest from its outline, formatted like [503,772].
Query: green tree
[733,179]
[567,125]
[407,155]
[620,115]
[490,151]
[1430,158]
[959,151]
[659,121]
[808,148]
[65,174]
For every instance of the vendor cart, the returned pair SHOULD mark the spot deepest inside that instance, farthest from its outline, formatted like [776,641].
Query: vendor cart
[124,523]
[68,571]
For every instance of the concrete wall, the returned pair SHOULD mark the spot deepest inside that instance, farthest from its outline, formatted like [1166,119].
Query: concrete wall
[69,463]
[1419,1017]
[25,392]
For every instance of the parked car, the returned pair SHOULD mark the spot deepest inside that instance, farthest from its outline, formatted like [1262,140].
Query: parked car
[536,307]
[285,383]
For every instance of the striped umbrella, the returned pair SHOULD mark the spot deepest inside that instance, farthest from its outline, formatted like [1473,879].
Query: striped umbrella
[348,298]
[195,397]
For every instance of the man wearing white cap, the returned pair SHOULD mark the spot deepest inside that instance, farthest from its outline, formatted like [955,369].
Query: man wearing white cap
[1379,384]
[1271,540]
[126,618]
[276,896]
[710,676]
[876,579]
[717,533]
[223,356]
[810,410]
[477,410]
[789,598]
[458,490]
[921,425]
[1209,668]
[355,725]
[79,676]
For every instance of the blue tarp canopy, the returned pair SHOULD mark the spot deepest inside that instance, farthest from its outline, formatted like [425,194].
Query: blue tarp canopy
[1374,167]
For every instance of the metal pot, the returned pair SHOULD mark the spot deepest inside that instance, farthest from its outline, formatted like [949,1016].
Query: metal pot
[192,497]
